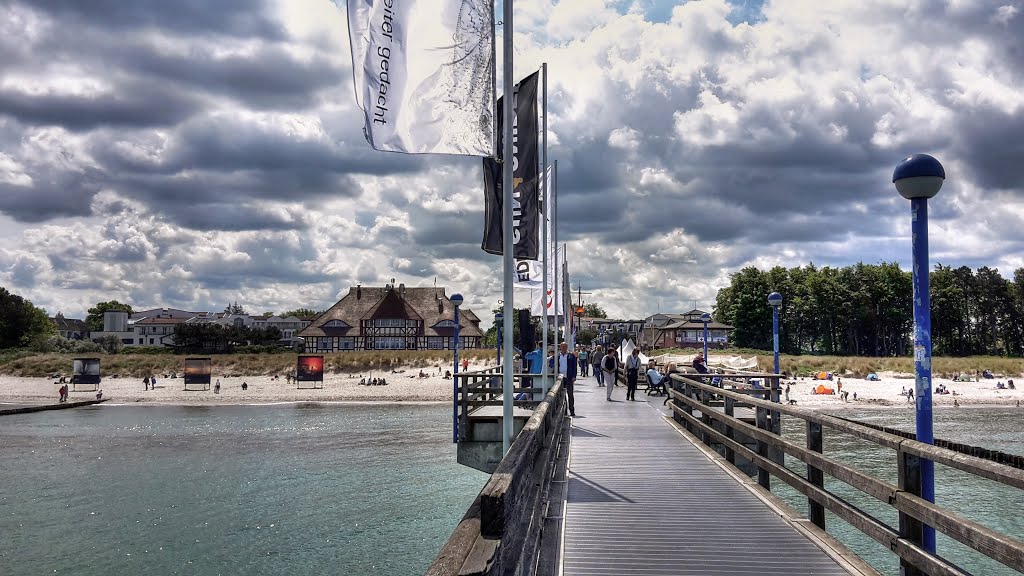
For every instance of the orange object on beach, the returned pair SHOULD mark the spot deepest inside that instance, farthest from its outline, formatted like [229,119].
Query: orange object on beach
[821,389]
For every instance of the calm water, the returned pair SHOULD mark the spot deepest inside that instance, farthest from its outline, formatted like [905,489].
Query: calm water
[981,500]
[276,490]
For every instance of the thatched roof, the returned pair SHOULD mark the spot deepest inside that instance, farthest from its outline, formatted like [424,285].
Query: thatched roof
[430,305]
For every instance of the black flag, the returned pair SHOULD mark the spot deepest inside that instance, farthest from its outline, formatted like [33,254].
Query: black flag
[525,203]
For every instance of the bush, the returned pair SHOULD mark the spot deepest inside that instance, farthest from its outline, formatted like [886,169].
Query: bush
[111,344]
[64,345]
[135,350]
[263,349]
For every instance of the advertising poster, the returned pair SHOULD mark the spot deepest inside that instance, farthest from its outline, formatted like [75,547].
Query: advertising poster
[197,373]
[310,371]
[85,371]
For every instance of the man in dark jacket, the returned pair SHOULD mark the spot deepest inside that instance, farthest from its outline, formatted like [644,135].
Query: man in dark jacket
[566,366]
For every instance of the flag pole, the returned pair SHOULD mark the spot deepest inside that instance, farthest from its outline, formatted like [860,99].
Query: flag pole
[506,231]
[554,242]
[544,240]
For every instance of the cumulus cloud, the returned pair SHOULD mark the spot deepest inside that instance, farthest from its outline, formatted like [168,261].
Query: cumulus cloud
[193,154]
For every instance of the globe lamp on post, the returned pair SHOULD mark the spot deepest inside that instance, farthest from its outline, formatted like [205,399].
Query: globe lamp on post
[456,300]
[705,318]
[918,178]
[775,300]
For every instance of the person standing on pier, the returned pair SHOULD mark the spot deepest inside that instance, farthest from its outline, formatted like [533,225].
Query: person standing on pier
[567,369]
[632,373]
[596,359]
[610,366]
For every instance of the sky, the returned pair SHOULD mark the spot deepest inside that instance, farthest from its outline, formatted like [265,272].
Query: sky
[191,154]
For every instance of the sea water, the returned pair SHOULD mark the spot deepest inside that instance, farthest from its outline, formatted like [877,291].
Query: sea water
[276,490]
[989,503]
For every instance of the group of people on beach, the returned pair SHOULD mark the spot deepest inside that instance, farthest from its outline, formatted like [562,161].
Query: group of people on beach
[149,383]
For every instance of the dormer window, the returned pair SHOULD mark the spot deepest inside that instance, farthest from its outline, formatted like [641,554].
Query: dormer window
[335,324]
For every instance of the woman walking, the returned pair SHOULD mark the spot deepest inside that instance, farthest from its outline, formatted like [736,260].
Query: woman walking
[596,358]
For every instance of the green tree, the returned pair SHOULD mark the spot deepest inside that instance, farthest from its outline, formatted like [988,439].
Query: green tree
[235,308]
[302,313]
[22,323]
[591,310]
[94,319]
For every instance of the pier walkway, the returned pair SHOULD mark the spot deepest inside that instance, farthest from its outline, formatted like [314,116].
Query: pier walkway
[643,499]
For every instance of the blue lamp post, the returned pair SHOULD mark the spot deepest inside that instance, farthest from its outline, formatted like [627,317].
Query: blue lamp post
[456,300]
[775,300]
[498,327]
[917,179]
[705,318]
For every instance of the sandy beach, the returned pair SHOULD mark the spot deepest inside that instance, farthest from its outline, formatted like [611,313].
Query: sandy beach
[405,385]
[889,393]
[402,386]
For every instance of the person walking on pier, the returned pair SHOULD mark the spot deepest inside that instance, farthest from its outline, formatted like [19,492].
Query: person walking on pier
[567,369]
[632,373]
[596,359]
[584,363]
[610,366]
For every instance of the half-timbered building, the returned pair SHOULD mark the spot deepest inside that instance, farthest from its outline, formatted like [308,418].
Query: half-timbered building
[391,318]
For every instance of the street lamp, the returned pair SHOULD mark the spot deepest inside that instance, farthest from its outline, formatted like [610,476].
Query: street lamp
[775,300]
[456,300]
[705,318]
[918,178]
[497,329]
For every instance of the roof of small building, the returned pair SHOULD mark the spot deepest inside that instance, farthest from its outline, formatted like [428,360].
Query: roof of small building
[695,326]
[429,304]
[69,324]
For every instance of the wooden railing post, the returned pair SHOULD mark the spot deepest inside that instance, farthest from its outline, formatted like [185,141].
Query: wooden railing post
[688,392]
[763,477]
[815,511]
[911,529]
[730,409]
[705,418]
[777,455]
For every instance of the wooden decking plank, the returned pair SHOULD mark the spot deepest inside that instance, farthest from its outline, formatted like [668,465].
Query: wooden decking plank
[643,501]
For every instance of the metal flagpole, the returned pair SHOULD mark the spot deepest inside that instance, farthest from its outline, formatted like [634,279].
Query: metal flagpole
[544,241]
[554,242]
[506,216]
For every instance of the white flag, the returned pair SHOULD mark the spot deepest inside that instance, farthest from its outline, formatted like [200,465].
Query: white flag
[424,74]
[541,306]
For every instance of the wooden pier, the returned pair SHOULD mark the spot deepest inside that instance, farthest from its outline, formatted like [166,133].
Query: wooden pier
[642,499]
[684,487]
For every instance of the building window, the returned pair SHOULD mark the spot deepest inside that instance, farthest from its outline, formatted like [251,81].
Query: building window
[436,343]
[150,341]
[335,324]
[386,343]
[445,324]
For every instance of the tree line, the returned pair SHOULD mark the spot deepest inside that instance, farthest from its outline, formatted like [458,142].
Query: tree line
[867,310]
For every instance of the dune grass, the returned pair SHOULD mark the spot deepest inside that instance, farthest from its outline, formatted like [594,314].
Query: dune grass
[28,364]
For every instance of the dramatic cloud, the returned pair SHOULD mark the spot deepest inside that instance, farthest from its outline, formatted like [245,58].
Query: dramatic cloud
[190,154]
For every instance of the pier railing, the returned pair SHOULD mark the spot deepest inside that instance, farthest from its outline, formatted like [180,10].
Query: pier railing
[504,530]
[718,426]
[484,388]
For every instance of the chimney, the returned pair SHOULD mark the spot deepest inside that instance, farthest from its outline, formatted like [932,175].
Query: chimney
[401,290]
[359,291]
